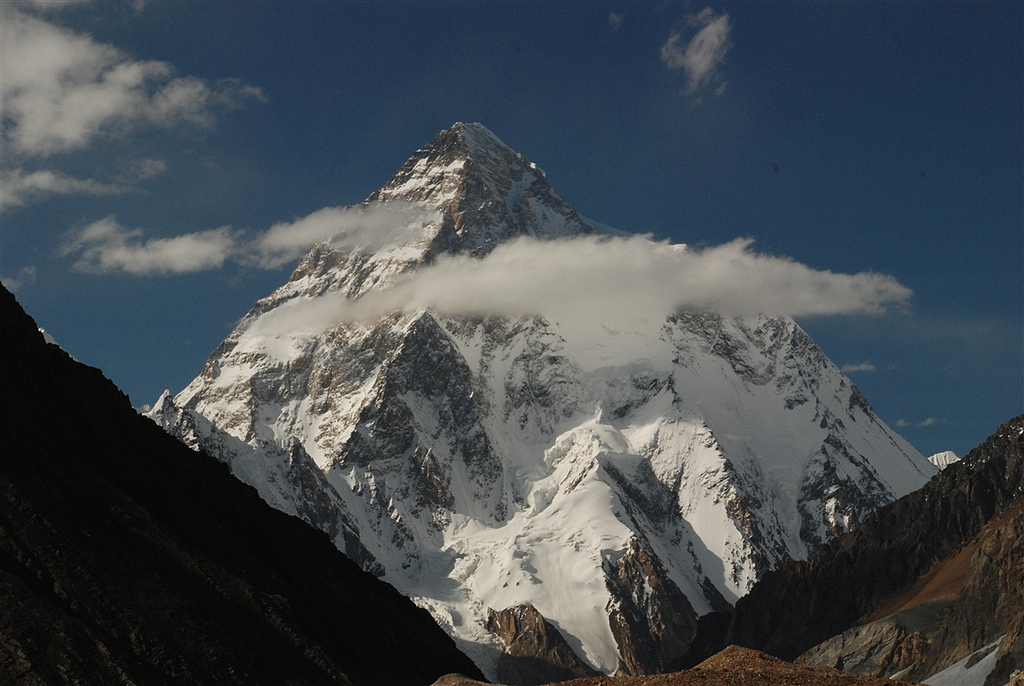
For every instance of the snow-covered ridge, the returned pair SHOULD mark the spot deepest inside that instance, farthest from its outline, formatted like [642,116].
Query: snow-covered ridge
[943,459]
[484,462]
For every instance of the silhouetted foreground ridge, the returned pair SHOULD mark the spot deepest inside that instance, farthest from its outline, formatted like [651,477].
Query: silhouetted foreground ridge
[125,557]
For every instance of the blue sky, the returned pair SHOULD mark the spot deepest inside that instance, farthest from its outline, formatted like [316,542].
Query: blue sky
[847,136]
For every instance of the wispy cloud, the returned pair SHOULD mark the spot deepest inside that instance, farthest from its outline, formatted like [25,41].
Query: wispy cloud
[369,227]
[143,168]
[106,246]
[61,89]
[18,188]
[859,367]
[600,278]
[930,421]
[615,282]
[23,278]
[700,56]
[615,20]
[54,4]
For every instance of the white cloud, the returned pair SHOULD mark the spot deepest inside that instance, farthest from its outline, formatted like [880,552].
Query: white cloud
[616,19]
[702,54]
[369,227]
[930,421]
[23,278]
[561,277]
[18,188]
[615,282]
[859,367]
[106,246]
[61,90]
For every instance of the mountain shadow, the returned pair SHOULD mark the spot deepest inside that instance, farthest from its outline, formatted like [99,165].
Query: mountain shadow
[125,557]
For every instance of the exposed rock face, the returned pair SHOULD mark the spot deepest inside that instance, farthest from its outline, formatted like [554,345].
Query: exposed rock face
[650,617]
[535,652]
[488,192]
[489,462]
[882,648]
[932,578]
[1009,668]
[127,558]
[978,608]
[990,605]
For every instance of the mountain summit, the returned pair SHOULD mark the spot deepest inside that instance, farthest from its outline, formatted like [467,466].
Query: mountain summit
[487,192]
[562,504]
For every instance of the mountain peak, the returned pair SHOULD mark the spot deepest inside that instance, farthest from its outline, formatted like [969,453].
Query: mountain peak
[495,461]
[443,165]
[464,192]
[477,137]
[485,191]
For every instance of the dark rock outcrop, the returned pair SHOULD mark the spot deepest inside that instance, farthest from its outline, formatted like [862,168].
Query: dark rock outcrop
[967,607]
[125,557]
[803,603]
[535,651]
[650,618]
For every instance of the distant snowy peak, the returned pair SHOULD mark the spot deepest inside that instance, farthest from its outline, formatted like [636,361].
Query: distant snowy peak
[943,459]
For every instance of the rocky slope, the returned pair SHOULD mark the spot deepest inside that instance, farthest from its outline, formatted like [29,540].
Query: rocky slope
[924,583]
[127,558]
[619,484]
[968,607]
[734,666]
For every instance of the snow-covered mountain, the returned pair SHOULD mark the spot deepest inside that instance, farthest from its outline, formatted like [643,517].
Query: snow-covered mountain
[619,484]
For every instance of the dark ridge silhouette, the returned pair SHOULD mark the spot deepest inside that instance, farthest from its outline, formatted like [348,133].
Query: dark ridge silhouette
[125,557]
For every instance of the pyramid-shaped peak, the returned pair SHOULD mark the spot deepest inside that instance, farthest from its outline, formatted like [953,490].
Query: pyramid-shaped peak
[488,192]
[476,135]
[471,140]
[463,152]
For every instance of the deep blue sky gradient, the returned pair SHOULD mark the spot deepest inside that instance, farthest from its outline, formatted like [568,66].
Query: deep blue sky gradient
[849,136]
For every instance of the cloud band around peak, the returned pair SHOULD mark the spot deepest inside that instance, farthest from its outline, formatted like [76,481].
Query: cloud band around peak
[599,277]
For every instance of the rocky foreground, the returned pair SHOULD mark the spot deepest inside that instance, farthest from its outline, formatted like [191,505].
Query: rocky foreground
[734,666]
[126,558]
